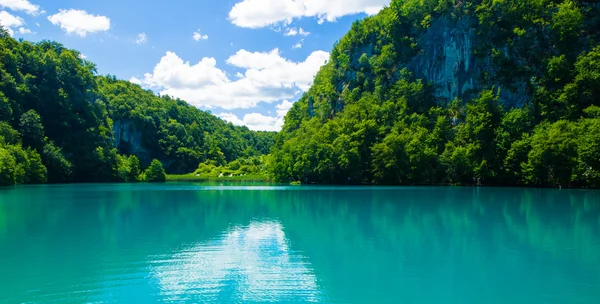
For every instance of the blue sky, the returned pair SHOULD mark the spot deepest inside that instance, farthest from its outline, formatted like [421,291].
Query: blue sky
[246,61]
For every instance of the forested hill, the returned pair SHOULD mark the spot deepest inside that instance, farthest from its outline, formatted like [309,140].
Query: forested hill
[446,91]
[60,122]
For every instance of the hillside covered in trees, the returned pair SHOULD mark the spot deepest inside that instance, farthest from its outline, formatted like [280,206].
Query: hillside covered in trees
[60,122]
[491,92]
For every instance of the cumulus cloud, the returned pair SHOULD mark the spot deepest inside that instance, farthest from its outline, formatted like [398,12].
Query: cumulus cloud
[262,13]
[268,77]
[21,5]
[283,108]
[9,21]
[173,73]
[79,22]
[24,31]
[82,56]
[292,31]
[260,122]
[141,38]
[232,118]
[135,80]
[197,36]
[301,32]
[299,44]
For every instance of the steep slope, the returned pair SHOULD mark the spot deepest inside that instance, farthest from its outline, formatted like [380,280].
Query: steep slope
[445,91]
[59,122]
[171,130]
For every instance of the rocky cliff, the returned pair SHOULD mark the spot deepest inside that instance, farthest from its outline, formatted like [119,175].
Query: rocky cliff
[453,91]
[459,47]
[128,140]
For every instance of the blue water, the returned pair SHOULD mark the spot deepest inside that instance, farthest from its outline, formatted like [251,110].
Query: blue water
[213,243]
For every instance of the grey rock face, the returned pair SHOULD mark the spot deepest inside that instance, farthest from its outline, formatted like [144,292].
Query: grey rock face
[446,58]
[128,139]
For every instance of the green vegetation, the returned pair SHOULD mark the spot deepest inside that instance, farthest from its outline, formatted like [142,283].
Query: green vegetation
[369,119]
[154,173]
[526,113]
[60,122]
[173,131]
[242,169]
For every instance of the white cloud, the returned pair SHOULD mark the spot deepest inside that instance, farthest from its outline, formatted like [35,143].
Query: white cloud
[268,77]
[9,21]
[135,80]
[24,31]
[82,56]
[79,22]
[283,108]
[141,38]
[197,36]
[262,13]
[260,122]
[21,5]
[172,73]
[299,44]
[232,118]
[292,31]
[301,32]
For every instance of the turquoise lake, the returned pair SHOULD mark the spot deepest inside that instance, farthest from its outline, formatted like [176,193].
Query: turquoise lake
[213,243]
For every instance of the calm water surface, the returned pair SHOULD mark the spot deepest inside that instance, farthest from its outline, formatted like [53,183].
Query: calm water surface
[199,243]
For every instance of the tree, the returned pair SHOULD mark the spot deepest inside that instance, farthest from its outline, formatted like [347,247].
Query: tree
[553,154]
[134,168]
[128,168]
[59,168]
[36,172]
[32,129]
[155,173]
[8,165]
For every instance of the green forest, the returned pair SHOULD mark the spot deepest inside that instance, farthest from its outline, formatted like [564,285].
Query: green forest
[61,122]
[485,92]
[528,112]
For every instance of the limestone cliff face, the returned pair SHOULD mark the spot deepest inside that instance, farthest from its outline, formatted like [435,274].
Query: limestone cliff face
[446,58]
[128,139]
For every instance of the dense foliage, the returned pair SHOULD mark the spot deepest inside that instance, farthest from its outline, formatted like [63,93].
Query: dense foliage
[60,122]
[155,172]
[242,169]
[173,131]
[369,119]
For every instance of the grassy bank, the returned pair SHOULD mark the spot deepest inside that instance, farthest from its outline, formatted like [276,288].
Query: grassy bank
[192,177]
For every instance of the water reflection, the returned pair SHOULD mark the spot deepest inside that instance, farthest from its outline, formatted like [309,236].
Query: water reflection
[186,243]
[250,263]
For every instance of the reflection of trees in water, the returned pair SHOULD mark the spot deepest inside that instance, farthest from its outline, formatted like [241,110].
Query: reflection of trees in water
[540,218]
[409,233]
[413,233]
